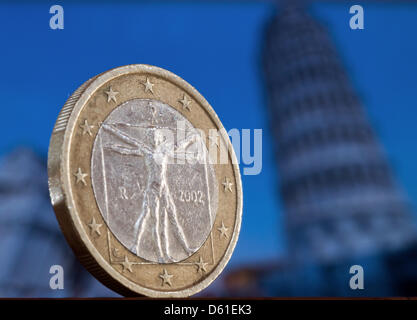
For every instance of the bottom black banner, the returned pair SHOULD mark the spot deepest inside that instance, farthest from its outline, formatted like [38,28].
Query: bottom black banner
[208,309]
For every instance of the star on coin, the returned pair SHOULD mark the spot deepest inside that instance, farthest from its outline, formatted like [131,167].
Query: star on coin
[127,265]
[94,226]
[213,140]
[185,103]
[227,184]
[148,86]
[86,128]
[111,95]
[201,265]
[80,176]
[223,231]
[166,278]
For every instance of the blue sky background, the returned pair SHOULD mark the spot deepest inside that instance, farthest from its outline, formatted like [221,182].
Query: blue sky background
[215,47]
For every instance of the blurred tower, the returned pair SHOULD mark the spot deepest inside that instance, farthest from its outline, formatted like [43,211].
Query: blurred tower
[340,197]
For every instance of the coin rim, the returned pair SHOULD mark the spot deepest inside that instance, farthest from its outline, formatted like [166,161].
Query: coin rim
[63,200]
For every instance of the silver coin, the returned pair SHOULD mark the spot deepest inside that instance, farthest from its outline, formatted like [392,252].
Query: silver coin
[159,204]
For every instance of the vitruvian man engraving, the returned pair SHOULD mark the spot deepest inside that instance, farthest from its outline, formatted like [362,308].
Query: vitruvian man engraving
[158,203]
[161,231]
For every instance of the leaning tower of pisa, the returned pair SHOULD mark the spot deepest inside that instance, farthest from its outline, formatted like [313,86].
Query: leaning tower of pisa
[339,194]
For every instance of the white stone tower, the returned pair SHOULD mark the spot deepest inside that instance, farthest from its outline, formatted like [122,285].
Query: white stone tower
[341,200]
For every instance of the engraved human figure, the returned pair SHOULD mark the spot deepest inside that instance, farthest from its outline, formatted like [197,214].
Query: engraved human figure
[158,204]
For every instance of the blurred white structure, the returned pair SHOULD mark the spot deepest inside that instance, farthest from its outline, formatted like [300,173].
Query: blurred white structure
[30,238]
[340,197]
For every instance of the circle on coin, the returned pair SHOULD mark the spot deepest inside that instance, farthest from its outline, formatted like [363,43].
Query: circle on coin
[133,165]
[145,183]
